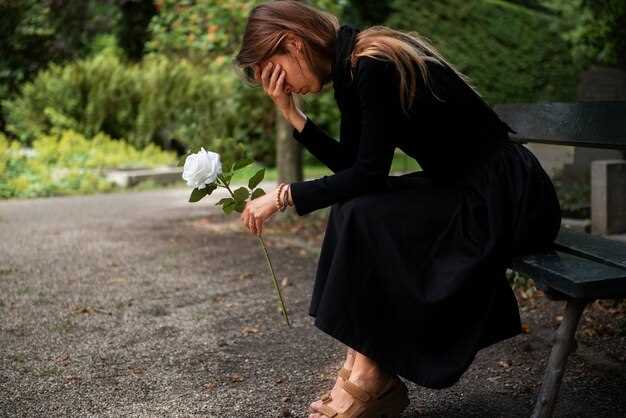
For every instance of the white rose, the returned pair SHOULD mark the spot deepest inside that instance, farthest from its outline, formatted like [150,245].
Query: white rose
[201,168]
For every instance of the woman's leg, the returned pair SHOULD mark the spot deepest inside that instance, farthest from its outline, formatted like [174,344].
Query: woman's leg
[366,374]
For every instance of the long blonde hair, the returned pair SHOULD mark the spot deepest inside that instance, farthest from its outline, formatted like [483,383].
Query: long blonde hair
[270,22]
[407,50]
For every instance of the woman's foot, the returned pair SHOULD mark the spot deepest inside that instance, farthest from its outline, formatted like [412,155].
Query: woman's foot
[367,375]
[347,364]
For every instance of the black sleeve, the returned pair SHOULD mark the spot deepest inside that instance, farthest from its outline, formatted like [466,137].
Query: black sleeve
[326,149]
[379,102]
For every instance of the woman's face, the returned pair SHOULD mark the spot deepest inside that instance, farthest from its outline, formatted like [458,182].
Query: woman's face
[298,76]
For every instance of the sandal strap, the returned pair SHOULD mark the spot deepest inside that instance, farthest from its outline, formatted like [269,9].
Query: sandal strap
[356,391]
[326,397]
[344,373]
[327,410]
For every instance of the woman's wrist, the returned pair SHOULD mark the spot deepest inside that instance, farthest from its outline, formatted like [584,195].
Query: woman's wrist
[296,118]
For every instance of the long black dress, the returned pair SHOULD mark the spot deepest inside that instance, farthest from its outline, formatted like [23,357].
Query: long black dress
[412,267]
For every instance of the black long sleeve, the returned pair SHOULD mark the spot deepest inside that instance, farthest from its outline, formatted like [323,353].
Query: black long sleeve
[378,99]
[326,149]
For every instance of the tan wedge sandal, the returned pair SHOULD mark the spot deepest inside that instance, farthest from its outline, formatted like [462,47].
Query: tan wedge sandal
[389,402]
[327,397]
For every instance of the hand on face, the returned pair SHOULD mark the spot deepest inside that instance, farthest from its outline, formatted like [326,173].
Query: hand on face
[272,78]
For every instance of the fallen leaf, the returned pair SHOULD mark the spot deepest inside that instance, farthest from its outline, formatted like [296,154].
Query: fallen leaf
[72,379]
[236,377]
[249,330]
[136,370]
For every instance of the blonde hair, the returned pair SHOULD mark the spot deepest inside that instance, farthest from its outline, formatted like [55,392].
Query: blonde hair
[406,50]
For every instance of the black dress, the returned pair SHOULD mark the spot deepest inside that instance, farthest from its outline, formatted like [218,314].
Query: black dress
[412,267]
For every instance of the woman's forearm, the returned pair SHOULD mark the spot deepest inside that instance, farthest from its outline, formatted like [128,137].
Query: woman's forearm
[297,119]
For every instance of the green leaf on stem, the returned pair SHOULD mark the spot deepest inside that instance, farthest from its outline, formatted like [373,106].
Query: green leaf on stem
[241,193]
[226,177]
[256,179]
[210,188]
[224,200]
[229,206]
[257,193]
[241,164]
[240,205]
[197,194]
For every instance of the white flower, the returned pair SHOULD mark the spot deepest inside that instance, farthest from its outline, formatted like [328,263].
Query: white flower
[201,168]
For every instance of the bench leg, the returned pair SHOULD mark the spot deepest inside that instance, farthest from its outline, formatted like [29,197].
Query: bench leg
[564,344]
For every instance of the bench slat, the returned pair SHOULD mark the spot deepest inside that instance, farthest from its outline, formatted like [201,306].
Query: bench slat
[584,124]
[604,250]
[575,276]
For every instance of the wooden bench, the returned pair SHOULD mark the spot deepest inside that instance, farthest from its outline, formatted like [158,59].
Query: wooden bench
[580,267]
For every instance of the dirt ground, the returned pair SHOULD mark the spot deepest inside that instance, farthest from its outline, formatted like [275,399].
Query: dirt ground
[142,304]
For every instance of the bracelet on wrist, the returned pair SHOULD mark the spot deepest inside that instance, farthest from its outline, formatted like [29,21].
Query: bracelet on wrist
[278,202]
[285,201]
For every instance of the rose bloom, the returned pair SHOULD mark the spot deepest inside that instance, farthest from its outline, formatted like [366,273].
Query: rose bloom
[201,168]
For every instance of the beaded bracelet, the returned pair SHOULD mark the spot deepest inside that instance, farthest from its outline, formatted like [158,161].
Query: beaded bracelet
[280,206]
[285,198]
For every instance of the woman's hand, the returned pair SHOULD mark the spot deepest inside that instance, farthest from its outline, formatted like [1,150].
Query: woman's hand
[272,78]
[258,210]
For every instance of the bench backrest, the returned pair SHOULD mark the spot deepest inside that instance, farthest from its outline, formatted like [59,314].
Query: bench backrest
[584,124]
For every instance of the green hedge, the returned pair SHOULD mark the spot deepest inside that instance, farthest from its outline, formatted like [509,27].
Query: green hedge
[149,102]
[512,54]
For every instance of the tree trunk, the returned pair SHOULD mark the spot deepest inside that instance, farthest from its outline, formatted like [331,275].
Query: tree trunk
[288,154]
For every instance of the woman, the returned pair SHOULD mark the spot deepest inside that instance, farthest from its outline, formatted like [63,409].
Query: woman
[411,275]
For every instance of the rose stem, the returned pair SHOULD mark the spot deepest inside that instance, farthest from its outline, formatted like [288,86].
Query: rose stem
[269,263]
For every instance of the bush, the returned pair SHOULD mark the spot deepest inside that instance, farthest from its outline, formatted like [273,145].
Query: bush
[68,163]
[150,102]
[513,54]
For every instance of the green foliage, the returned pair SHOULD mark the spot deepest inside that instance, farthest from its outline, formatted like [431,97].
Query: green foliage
[512,54]
[149,102]
[205,29]
[365,13]
[69,163]
[574,196]
[35,33]
[596,29]
[198,29]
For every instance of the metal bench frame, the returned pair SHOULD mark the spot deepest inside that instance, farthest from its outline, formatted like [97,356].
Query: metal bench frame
[580,267]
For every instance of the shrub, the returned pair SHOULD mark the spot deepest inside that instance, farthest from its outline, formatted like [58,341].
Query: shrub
[150,102]
[68,163]
[513,54]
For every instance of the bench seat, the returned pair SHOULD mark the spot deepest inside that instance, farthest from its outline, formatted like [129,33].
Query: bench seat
[580,266]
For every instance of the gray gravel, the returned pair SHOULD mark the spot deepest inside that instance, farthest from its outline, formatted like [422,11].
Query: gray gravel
[142,304]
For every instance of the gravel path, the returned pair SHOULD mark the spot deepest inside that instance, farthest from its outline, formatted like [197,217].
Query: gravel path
[142,304]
